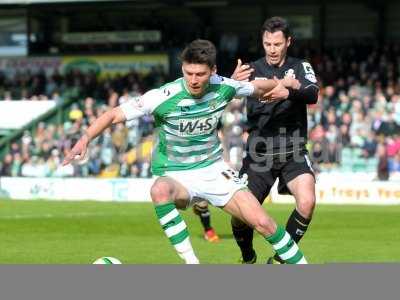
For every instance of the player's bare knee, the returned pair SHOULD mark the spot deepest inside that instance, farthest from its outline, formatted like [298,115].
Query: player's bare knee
[161,191]
[305,206]
[264,225]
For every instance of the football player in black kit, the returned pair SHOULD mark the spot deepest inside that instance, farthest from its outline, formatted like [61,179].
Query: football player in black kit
[276,146]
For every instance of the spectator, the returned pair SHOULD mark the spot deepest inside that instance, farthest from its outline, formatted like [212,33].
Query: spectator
[6,165]
[383,168]
[359,108]
[75,113]
[394,164]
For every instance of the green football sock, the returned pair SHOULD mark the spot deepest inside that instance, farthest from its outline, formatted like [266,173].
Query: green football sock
[176,231]
[286,247]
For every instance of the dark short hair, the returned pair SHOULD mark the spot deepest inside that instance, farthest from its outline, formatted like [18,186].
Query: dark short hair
[275,24]
[200,52]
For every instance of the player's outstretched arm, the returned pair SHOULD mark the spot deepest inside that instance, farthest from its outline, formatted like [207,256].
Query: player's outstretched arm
[78,151]
[263,87]
[282,90]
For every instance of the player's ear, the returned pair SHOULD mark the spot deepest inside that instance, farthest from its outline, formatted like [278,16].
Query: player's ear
[214,70]
[288,41]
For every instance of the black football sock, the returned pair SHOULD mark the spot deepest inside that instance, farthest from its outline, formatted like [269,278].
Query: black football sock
[205,219]
[244,238]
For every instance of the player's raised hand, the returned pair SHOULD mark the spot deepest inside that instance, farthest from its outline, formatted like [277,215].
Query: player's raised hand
[77,152]
[242,71]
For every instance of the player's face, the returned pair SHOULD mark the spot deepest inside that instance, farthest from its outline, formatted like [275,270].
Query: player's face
[275,46]
[197,77]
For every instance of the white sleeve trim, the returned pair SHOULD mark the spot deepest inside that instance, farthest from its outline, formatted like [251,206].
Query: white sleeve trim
[247,89]
[312,84]
[243,88]
[132,109]
[145,104]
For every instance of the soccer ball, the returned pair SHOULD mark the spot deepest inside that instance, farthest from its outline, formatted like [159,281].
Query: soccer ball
[107,260]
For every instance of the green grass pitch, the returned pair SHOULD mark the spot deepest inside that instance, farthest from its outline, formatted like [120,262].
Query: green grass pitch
[51,232]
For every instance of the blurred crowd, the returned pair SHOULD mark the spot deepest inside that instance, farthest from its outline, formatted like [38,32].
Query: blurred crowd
[123,150]
[355,126]
[75,84]
[356,122]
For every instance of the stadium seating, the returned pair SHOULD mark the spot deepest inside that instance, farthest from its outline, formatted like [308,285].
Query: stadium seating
[358,111]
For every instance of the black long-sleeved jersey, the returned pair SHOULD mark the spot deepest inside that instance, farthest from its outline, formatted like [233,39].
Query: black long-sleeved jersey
[281,126]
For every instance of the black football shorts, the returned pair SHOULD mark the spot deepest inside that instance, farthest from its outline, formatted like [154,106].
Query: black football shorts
[262,171]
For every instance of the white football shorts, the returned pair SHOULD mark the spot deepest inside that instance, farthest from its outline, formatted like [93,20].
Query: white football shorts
[216,183]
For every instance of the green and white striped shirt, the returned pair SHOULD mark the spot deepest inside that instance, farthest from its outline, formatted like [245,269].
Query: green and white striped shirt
[186,125]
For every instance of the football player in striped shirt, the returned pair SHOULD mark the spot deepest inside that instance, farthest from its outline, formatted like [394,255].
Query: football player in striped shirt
[187,159]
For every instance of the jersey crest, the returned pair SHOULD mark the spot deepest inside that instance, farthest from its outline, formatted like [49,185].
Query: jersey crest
[290,74]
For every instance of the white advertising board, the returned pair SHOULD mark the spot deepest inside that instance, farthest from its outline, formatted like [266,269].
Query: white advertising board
[349,192]
[138,190]
[118,189]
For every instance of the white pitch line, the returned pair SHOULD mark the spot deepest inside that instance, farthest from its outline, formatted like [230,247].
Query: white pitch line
[51,216]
